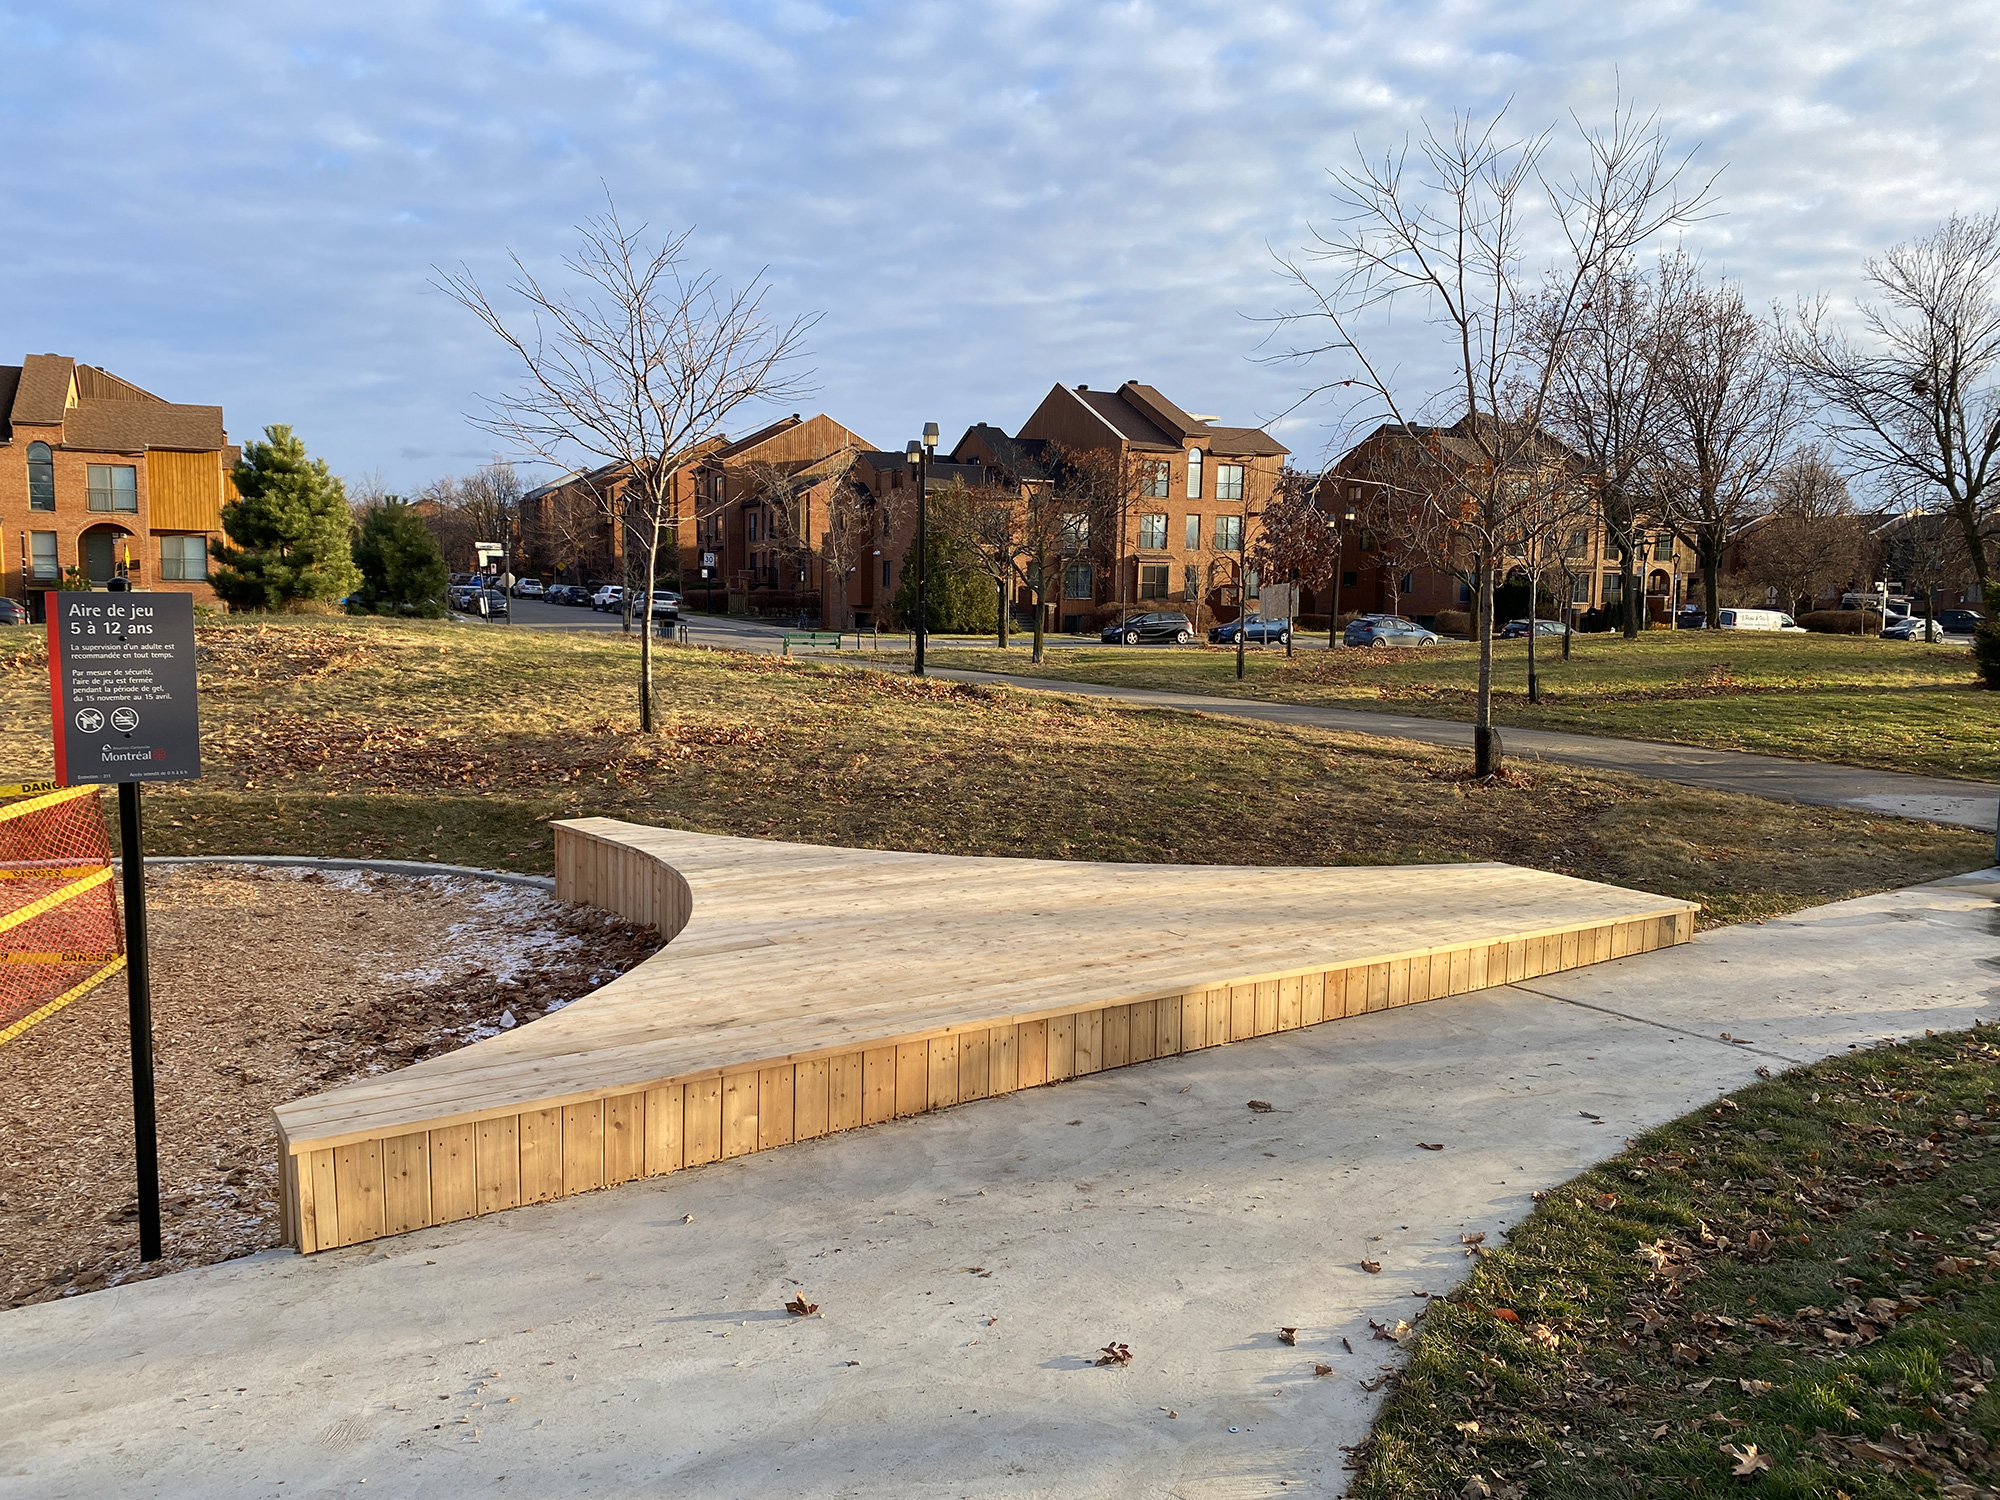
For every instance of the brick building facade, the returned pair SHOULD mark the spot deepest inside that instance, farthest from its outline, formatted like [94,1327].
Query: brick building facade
[102,478]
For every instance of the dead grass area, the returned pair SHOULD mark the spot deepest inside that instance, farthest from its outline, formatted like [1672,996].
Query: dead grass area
[268,985]
[432,741]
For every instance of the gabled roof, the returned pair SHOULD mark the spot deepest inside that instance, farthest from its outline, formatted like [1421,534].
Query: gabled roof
[98,411]
[1020,457]
[1141,417]
[760,436]
[1130,422]
[44,394]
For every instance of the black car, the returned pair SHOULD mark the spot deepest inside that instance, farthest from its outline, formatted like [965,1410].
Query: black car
[1177,628]
[12,612]
[1960,621]
[566,593]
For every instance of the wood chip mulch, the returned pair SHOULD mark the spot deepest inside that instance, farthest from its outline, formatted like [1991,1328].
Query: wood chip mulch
[267,985]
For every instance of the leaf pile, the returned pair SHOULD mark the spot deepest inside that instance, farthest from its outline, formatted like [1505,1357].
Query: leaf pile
[1793,1289]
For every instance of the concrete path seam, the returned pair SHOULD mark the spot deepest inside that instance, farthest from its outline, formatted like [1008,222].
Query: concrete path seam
[1699,1036]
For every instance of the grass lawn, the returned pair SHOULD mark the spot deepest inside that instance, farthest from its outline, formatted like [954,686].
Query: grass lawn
[1797,1282]
[1896,704]
[457,743]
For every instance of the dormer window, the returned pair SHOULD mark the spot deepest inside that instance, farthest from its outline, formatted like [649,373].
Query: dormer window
[1194,474]
[41,477]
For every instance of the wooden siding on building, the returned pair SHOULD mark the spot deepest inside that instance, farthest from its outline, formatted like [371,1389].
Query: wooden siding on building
[184,491]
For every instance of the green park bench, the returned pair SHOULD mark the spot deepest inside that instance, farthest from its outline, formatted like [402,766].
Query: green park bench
[812,639]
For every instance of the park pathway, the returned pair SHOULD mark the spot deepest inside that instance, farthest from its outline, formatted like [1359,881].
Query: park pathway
[968,1265]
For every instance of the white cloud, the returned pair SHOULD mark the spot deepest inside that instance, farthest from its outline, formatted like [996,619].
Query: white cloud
[241,202]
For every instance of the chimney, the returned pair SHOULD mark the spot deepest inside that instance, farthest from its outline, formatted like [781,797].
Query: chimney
[1083,388]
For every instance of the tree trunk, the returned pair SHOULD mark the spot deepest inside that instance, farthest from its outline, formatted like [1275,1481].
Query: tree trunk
[1001,584]
[1628,602]
[1485,740]
[1534,602]
[1568,609]
[1967,514]
[1710,552]
[646,631]
[1040,594]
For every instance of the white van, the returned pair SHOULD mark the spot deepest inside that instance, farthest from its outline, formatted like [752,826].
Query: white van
[1756,619]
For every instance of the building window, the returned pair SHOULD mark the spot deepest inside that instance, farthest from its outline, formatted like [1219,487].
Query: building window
[1194,473]
[1614,587]
[1152,580]
[1194,533]
[1229,481]
[1579,590]
[1077,582]
[1578,545]
[113,487]
[1350,580]
[1152,532]
[1157,474]
[885,572]
[184,557]
[750,526]
[1252,584]
[1409,584]
[1075,532]
[43,565]
[41,477]
[1228,533]
[1191,582]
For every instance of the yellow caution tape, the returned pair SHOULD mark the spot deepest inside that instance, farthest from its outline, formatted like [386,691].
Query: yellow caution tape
[56,958]
[27,788]
[49,872]
[36,804]
[77,993]
[54,899]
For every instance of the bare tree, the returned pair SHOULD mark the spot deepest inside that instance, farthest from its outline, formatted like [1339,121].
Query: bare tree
[644,360]
[1810,540]
[1917,397]
[1555,502]
[1453,234]
[1076,514]
[1299,539]
[1730,410]
[817,514]
[1604,404]
[987,524]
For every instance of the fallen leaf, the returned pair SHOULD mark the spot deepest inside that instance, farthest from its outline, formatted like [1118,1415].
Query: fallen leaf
[1544,1335]
[1475,1487]
[1749,1462]
[1372,1385]
[1505,1314]
[1658,1432]
[1763,1072]
[1473,1239]
[1427,1146]
[1322,1369]
[1288,1335]
[798,1307]
[1262,1106]
[1345,1345]
[1371,1266]
[1589,1116]
[1115,1354]
[1696,1388]
[1606,1201]
[1754,1387]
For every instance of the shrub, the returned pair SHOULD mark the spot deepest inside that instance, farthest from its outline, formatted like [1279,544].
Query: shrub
[1456,622]
[1986,652]
[1843,621]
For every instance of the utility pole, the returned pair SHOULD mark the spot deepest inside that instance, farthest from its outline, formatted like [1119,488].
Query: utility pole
[919,455]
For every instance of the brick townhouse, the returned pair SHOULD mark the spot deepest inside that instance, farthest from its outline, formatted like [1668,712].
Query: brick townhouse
[1191,485]
[1387,566]
[100,476]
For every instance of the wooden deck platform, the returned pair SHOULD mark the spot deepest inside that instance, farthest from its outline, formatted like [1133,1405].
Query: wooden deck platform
[809,989]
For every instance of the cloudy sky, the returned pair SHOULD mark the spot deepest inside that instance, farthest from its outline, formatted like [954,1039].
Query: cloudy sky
[242,203]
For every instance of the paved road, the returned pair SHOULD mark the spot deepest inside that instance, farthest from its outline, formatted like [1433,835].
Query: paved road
[968,1265]
[1970,804]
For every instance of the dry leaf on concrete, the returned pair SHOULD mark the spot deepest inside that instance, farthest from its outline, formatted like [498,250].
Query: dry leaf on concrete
[1427,1146]
[1322,1369]
[798,1307]
[1115,1354]
[1261,1106]
[1288,1335]
[1371,1266]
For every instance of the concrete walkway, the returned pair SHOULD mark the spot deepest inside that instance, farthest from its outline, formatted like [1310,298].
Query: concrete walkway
[968,1265]
[1972,804]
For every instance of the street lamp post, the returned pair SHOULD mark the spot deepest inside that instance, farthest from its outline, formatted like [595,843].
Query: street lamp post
[920,455]
[1339,551]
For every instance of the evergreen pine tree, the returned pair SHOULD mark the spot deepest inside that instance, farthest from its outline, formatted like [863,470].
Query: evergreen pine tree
[292,529]
[402,568]
[958,597]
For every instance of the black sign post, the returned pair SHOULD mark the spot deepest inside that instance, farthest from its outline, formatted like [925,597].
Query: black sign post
[122,685]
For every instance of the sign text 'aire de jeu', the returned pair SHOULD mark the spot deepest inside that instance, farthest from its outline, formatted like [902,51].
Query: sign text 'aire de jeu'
[122,687]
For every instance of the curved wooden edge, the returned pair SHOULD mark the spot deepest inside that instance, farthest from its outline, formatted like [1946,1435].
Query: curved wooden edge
[461,1165]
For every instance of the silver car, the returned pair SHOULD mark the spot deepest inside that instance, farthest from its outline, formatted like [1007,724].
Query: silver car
[1388,630]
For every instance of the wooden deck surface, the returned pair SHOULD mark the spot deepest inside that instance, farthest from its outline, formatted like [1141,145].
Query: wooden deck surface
[791,965]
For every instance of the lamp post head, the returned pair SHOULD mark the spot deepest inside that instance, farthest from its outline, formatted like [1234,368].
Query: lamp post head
[931,435]
[914,453]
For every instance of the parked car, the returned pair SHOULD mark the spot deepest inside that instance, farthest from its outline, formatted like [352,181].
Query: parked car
[609,598]
[1165,626]
[1755,619]
[1387,630]
[1517,630]
[528,588]
[1960,621]
[1906,628]
[13,612]
[1256,631]
[666,604]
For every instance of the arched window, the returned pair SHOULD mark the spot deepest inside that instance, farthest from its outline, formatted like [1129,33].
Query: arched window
[1194,473]
[41,477]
